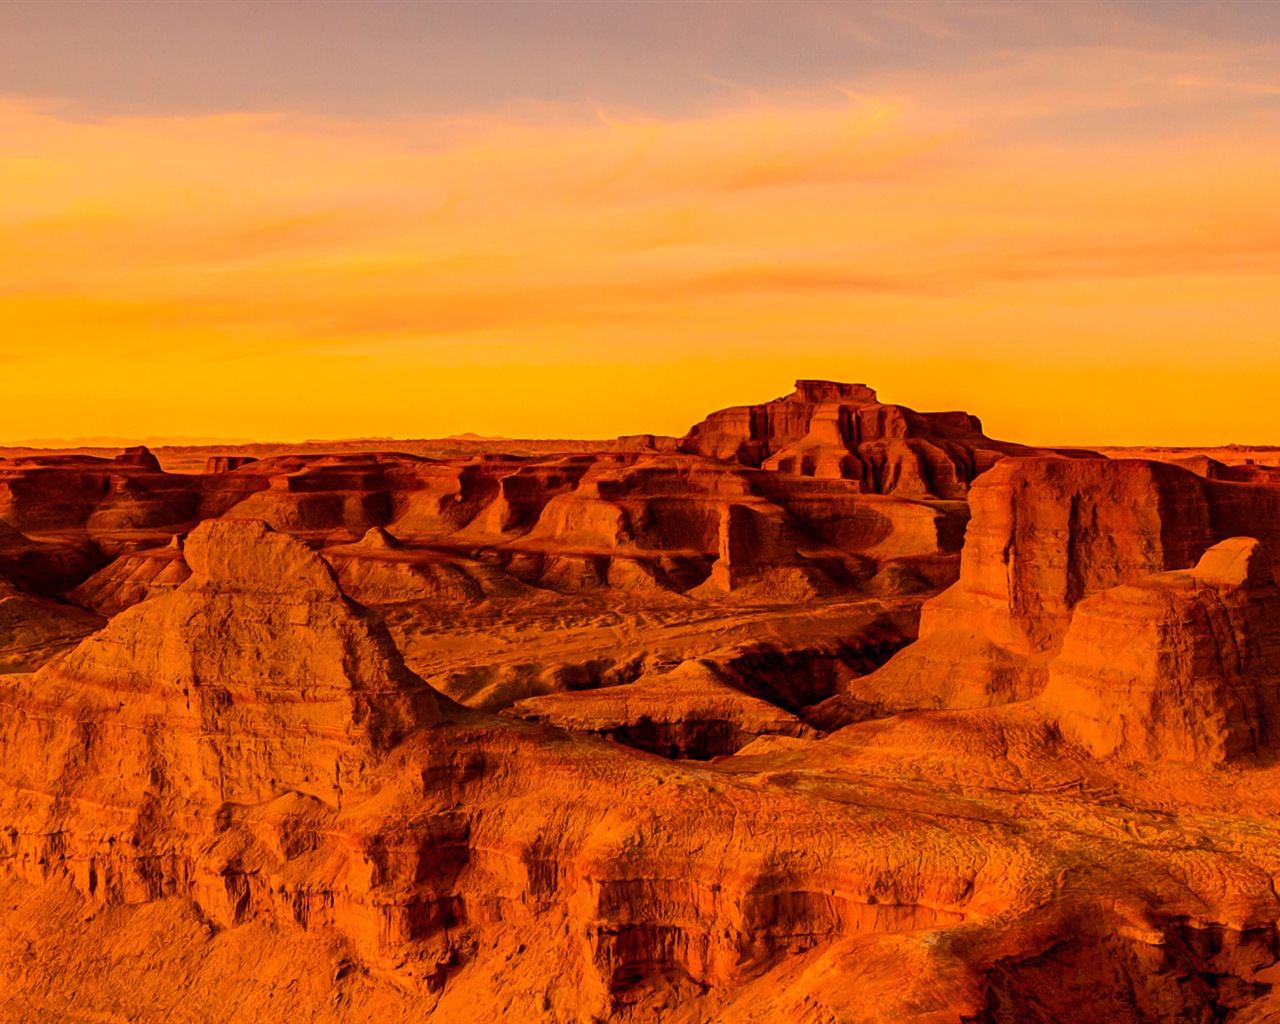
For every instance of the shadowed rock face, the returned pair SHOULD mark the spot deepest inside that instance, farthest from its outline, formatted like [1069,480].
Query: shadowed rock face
[251,745]
[724,786]
[646,518]
[687,713]
[132,578]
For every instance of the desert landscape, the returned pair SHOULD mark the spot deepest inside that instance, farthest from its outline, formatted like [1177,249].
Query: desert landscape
[475,547]
[828,710]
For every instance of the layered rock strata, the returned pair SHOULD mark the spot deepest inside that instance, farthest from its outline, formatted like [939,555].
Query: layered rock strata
[843,431]
[1178,665]
[1045,534]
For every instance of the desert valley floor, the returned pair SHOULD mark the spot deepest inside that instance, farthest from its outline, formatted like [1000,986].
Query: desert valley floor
[828,711]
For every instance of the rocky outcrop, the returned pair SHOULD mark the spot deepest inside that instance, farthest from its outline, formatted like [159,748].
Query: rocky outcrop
[252,744]
[842,431]
[379,569]
[115,503]
[1044,534]
[227,463]
[132,578]
[35,629]
[47,566]
[689,712]
[237,794]
[255,677]
[139,455]
[1177,666]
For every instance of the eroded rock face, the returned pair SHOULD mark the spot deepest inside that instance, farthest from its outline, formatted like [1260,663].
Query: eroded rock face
[689,712]
[380,570]
[104,498]
[257,676]
[34,629]
[253,743]
[1045,534]
[1179,665]
[636,516]
[842,431]
[132,578]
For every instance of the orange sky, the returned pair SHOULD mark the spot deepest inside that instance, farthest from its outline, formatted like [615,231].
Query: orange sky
[1081,244]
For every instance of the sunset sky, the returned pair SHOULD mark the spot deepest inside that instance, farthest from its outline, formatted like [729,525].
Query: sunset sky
[295,220]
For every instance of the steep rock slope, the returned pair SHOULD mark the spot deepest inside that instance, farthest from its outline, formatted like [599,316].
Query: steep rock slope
[1043,535]
[688,712]
[111,501]
[246,767]
[254,677]
[253,743]
[34,629]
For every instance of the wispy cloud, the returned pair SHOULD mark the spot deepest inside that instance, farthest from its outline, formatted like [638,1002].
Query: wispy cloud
[920,214]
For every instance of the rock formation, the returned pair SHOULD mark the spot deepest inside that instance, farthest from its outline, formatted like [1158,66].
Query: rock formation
[686,713]
[842,431]
[380,570]
[255,676]
[139,455]
[226,463]
[1181,665]
[1043,535]
[34,629]
[132,578]
[636,732]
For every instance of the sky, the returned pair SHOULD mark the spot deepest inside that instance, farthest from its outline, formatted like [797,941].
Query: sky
[301,220]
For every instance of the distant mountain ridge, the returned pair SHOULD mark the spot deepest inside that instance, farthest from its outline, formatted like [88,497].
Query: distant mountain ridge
[102,441]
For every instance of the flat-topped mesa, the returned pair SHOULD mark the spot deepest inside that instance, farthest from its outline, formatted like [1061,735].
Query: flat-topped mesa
[256,677]
[103,497]
[842,431]
[226,463]
[139,455]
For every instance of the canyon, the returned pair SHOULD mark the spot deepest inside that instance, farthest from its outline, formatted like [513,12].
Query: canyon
[827,711]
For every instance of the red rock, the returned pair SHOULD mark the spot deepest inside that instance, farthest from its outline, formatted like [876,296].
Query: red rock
[34,629]
[1178,665]
[1045,534]
[139,455]
[132,578]
[242,792]
[227,463]
[254,677]
[686,713]
[842,431]
[379,569]
[111,501]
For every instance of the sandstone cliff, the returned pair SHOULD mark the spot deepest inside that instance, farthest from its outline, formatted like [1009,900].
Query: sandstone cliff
[1178,665]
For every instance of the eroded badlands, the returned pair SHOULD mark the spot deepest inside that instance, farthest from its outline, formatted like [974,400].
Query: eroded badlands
[829,711]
